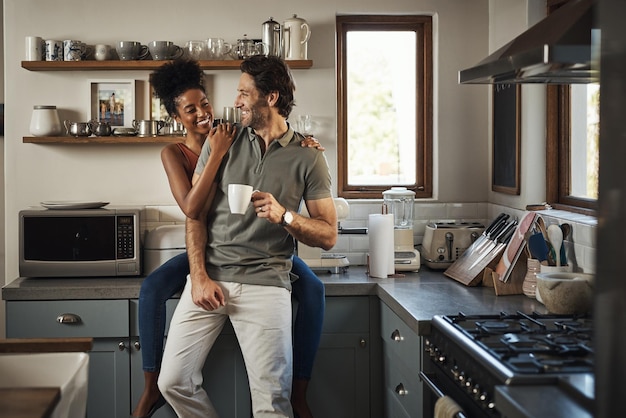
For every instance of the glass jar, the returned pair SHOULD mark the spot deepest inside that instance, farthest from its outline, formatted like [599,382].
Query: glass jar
[529,287]
[45,121]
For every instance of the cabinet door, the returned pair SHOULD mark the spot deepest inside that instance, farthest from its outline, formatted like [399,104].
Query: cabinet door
[340,383]
[109,385]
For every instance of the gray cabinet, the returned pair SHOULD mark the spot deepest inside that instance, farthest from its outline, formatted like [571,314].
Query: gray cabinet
[402,357]
[340,384]
[344,381]
[106,321]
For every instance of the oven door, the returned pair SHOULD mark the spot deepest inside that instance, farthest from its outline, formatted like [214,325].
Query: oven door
[436,396]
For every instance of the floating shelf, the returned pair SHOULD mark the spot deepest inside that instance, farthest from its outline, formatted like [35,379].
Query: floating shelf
[102,139]
[139,65]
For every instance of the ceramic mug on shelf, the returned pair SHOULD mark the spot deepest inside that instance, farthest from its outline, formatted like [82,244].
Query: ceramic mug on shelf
[164,50]
[54,50]
[35,48]
[131,50]
[73,50]
[102,52]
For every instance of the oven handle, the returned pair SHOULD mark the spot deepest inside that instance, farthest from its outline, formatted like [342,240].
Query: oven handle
[433,387]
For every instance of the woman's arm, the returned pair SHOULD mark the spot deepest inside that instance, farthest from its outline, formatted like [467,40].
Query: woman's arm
[192,199]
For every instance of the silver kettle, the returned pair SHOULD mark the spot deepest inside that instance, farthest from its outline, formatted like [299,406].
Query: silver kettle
[272,36]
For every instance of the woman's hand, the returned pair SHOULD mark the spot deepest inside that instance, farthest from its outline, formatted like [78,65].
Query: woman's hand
[310,142]
[221,138]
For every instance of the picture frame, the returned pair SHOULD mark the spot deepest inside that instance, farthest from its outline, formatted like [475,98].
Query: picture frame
[157,108]
[112,101]
[506,138]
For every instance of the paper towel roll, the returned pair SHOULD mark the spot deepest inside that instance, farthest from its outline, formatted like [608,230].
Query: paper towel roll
[381,249]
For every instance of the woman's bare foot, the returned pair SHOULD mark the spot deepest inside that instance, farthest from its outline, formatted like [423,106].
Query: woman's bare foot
[150,395]
[298,399]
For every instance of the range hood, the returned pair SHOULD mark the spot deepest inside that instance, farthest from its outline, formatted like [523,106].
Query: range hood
[557,50]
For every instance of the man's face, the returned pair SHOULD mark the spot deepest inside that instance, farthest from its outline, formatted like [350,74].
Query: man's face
[254,107]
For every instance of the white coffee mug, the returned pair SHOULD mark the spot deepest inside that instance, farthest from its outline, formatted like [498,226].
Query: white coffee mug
[35,48]
[54,50]
[239,196]
[101,52]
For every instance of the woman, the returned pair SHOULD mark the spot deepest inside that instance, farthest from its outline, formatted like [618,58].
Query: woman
[180,85]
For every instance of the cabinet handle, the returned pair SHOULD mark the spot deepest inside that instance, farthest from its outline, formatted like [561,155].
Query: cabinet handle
[121,346]
[401,391]
[362,343]
[396,336]
[137,345]
[69,318]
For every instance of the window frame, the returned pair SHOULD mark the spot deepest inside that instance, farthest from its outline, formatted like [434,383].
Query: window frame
[558,147]
[422,25]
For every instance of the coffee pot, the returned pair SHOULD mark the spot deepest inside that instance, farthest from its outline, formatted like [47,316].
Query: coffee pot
[273,37]
[296,34]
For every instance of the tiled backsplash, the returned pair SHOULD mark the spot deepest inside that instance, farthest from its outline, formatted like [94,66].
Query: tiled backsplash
[580,246]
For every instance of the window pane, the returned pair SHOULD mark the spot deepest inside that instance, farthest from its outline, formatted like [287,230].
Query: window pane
[585,125]
[381,107]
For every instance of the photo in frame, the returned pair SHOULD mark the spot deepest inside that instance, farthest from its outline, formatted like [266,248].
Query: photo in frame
[112,101]
[157,108]
[506,138]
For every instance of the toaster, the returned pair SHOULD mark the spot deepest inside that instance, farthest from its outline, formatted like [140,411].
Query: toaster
[444,242]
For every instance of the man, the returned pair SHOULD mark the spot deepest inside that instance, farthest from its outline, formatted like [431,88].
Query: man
[240,264]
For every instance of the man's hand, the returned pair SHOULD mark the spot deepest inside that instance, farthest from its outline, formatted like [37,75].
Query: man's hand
[207,294]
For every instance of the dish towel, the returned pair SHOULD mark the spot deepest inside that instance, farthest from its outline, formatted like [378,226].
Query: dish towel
[446,407]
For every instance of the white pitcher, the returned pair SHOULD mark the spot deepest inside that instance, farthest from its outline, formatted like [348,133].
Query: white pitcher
[296,34]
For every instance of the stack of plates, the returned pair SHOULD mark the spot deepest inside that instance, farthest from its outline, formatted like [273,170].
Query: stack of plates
[73,204]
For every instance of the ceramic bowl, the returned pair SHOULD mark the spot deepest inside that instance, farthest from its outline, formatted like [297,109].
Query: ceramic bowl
[566,293]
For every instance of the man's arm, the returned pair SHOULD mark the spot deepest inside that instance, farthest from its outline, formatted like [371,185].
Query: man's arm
[204,291]
[320,230]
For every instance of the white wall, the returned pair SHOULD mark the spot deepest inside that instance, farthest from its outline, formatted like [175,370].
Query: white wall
[125,174]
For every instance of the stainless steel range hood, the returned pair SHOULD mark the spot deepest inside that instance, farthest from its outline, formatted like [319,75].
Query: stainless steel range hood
[560,49]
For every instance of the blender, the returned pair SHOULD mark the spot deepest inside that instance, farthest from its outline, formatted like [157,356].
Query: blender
[399,201]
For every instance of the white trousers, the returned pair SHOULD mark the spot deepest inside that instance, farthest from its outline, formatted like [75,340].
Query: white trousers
[261,318]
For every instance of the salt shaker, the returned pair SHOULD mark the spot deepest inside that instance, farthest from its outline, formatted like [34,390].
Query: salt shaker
[45,121]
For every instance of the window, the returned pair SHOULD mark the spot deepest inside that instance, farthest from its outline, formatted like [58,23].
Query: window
[384,121]
[572,152]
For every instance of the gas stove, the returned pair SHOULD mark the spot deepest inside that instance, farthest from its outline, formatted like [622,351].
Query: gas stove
[472,355]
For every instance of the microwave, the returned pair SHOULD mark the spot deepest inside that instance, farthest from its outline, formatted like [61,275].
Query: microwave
[80,242]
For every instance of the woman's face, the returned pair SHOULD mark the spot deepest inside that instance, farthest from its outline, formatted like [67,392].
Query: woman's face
[194,111]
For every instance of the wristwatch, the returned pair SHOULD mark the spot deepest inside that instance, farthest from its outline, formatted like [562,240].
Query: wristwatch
[287,218]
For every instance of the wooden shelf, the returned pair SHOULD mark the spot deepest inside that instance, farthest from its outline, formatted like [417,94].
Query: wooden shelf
[139,65]
[102,139]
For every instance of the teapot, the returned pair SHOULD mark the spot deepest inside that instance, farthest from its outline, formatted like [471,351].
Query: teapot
[249,47]
[77,128]
[296,34]
[100,128]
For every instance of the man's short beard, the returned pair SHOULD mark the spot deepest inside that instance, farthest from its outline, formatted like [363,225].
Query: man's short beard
[258,119]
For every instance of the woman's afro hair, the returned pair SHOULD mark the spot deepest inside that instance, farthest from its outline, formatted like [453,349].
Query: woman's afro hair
[174,78]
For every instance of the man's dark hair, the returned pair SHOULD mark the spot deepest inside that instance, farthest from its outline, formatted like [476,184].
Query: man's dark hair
[174,78]
[270,74]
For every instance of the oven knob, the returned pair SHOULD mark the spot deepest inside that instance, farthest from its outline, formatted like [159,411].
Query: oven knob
[476,391]
[491,405]
[483,397]
[455,372]
[426,345]
[441,359]
[461,377]
[468,384]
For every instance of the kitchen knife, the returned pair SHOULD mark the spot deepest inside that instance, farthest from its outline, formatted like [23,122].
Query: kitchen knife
[506,230]
[486,238]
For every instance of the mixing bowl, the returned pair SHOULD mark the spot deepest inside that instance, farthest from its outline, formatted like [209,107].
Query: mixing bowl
[566,293]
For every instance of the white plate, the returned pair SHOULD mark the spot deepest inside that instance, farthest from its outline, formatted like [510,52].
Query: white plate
[65,204]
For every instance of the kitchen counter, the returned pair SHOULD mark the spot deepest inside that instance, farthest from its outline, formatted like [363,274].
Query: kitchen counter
[415,298]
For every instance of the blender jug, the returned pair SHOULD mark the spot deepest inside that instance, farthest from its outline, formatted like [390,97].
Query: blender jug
[399,201]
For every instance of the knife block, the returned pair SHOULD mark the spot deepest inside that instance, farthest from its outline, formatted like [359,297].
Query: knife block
[514,285]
